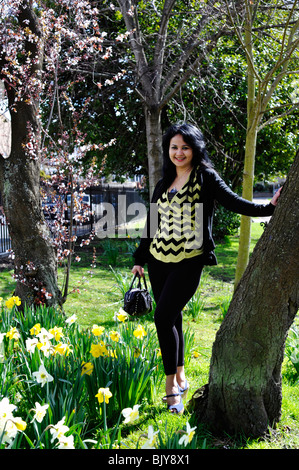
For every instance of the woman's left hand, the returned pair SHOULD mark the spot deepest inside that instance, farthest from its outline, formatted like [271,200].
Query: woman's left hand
[275,197]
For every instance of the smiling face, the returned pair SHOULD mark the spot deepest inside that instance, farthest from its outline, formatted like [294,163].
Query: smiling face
[180,153]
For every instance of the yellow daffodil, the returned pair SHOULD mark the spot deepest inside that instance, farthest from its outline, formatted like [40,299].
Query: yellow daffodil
[56,332]
[63,349]
[14,300]
[35,329]
[103,394]
[13,333]
[98,350]
[87,368]
[20,424]
[195,354]
[121,315]
[115,336]
[139,332]
[97,330]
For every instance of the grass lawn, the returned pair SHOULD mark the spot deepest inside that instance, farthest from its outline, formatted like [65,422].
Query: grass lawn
[96,297]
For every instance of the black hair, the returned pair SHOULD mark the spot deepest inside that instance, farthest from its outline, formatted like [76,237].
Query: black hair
[194,138]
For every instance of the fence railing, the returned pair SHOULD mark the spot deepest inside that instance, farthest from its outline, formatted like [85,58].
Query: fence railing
[5,242]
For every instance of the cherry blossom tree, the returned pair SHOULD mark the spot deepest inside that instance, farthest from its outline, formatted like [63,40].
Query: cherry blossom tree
[46,49]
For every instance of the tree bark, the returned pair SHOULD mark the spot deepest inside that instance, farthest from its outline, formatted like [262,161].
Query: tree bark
[244,391]
[154,145]
[34,254]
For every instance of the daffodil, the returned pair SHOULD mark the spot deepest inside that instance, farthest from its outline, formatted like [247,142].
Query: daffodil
[66,442]
[44,335]
[151,438]
[63,349]
[188,435]
[115,336]
[71,319]
[59,429]
[20,424]
[139,332]
[56,332]
[86,368]
[35,329]
[15,300]
[103,394]
[42,376]
[46,347]
[97,330]
[121,315]
[31,343]
[13,333]
[195,354]
[131,414]
[97,350]
[40,411]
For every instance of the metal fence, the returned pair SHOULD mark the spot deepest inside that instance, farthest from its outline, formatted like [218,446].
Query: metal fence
[5,242]
[119,196]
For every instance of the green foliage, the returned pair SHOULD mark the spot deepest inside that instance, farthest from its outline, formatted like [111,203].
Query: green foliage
[225,223]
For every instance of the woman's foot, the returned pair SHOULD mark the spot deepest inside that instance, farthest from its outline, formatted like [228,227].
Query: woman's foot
[173,395]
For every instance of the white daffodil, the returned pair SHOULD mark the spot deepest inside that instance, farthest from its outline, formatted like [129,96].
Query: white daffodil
[42,376]
[131,414]
[151,438]
[40,411]
[188,435]
[59,430]
[66,442]
[31,344]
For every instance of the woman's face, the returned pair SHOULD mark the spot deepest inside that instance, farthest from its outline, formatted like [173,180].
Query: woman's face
[180,153]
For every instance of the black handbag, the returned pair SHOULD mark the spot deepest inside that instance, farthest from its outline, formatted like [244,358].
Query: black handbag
[138,301]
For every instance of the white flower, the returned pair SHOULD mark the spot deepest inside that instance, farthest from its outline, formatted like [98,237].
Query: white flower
[131,414]
[30,344]
[44,335]
[59,430]
[66,442]
[71,319]
[40,411]
[151,439]
[6,409]
[188,436]
[42,376]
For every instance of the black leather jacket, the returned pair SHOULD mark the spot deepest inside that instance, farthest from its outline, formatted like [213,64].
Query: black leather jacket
[213,188]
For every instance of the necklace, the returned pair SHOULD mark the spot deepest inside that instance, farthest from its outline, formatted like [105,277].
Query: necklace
[174,189]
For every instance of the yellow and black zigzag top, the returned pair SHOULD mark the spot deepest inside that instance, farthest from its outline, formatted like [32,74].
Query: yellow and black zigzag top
[179,234]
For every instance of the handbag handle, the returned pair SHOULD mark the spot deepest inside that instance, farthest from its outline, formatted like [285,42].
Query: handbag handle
[139,281]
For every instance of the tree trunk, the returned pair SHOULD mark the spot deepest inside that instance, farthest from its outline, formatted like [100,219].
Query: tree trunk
[250,150]
[244,390]
[34,254]
[247,193]
[154,145]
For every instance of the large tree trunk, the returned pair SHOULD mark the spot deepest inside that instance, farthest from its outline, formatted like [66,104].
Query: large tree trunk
[154,145]
[34,254]
[244,390]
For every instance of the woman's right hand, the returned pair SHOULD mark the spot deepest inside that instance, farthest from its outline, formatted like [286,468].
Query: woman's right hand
[138,269]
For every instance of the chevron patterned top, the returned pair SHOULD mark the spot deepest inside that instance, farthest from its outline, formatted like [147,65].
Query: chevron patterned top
[179,234]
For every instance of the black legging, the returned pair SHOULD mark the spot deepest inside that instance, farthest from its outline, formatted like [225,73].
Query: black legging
[173,286]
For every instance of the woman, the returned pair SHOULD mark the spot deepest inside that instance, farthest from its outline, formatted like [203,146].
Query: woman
[181,243]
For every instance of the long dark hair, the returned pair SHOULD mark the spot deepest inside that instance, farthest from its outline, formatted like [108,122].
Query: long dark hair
[193,137]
